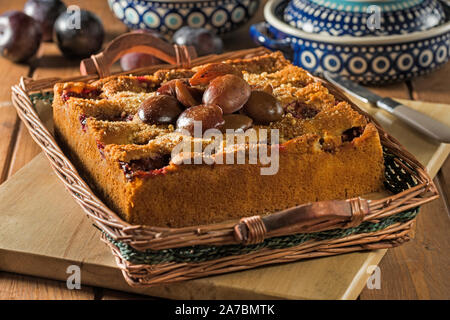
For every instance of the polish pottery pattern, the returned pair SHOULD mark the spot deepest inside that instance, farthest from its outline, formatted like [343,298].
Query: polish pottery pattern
[366,59]
[166,17]
[357,18]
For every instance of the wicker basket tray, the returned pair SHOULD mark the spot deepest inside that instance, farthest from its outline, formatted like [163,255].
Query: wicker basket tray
[153,255]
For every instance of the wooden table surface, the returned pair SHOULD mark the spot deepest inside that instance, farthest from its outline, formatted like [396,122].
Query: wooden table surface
[416,270]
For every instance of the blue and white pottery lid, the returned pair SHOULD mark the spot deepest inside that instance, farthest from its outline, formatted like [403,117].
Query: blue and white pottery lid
[364,17]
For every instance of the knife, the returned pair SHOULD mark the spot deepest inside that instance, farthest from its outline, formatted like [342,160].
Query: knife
[419,121]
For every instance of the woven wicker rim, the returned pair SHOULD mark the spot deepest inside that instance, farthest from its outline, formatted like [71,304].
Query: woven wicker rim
[145,275]
[143,237]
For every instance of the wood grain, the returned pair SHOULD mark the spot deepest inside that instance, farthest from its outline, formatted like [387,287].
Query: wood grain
[415,270]
[443,183]
[11,72]
[418,269]
[396,90]
[19,287]
[433,87]
[9,124]
[17,147]
[25,149]
[64,236]
[50,63]
[108,294]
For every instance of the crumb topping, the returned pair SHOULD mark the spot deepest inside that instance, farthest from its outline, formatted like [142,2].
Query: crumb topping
[108,109]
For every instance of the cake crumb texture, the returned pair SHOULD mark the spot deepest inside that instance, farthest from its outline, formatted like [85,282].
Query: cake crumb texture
[327,150]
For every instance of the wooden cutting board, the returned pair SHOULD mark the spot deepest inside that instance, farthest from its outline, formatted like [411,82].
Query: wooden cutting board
[43,231]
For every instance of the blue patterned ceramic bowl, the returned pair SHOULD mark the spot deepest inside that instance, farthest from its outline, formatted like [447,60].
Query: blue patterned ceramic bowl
[168,16]
[353,18]
[371,59]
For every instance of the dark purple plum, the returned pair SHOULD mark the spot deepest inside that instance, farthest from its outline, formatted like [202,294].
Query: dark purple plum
[159,109]
[78,36]
[204,41]
[20,36]
[135,60]
[210,116]
[45,12]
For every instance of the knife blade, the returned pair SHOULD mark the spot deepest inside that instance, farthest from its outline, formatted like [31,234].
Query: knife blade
[419,121]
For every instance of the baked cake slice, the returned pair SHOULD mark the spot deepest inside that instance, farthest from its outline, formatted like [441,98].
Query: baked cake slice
[121,133]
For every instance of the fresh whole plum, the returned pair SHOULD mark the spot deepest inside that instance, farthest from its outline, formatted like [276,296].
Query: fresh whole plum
[204,41]
[135,60]
[45,12]
[20,36]
[78,34]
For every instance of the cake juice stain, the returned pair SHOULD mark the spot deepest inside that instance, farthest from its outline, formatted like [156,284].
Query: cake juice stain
[144,82]
[301,110]
[101,148]
[142,79]
[352,133]
[85,93]
[83,120]
[145,168]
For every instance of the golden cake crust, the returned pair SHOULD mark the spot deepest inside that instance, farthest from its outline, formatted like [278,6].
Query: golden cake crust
[327,150]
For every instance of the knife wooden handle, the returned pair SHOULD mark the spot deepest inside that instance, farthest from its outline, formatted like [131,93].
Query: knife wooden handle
[419,121]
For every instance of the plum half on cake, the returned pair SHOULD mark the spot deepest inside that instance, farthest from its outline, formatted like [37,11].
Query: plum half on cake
[121,132]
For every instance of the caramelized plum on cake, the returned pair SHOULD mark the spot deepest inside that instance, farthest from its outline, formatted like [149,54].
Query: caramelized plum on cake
[122,130]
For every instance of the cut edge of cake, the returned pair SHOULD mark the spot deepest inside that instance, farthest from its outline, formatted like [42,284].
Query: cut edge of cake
[327,150]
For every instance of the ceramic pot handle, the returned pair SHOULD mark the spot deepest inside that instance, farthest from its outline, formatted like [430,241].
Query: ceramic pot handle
[136,42]
[259,32]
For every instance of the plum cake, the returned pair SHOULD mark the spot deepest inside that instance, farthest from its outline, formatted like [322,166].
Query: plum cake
[157,148]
